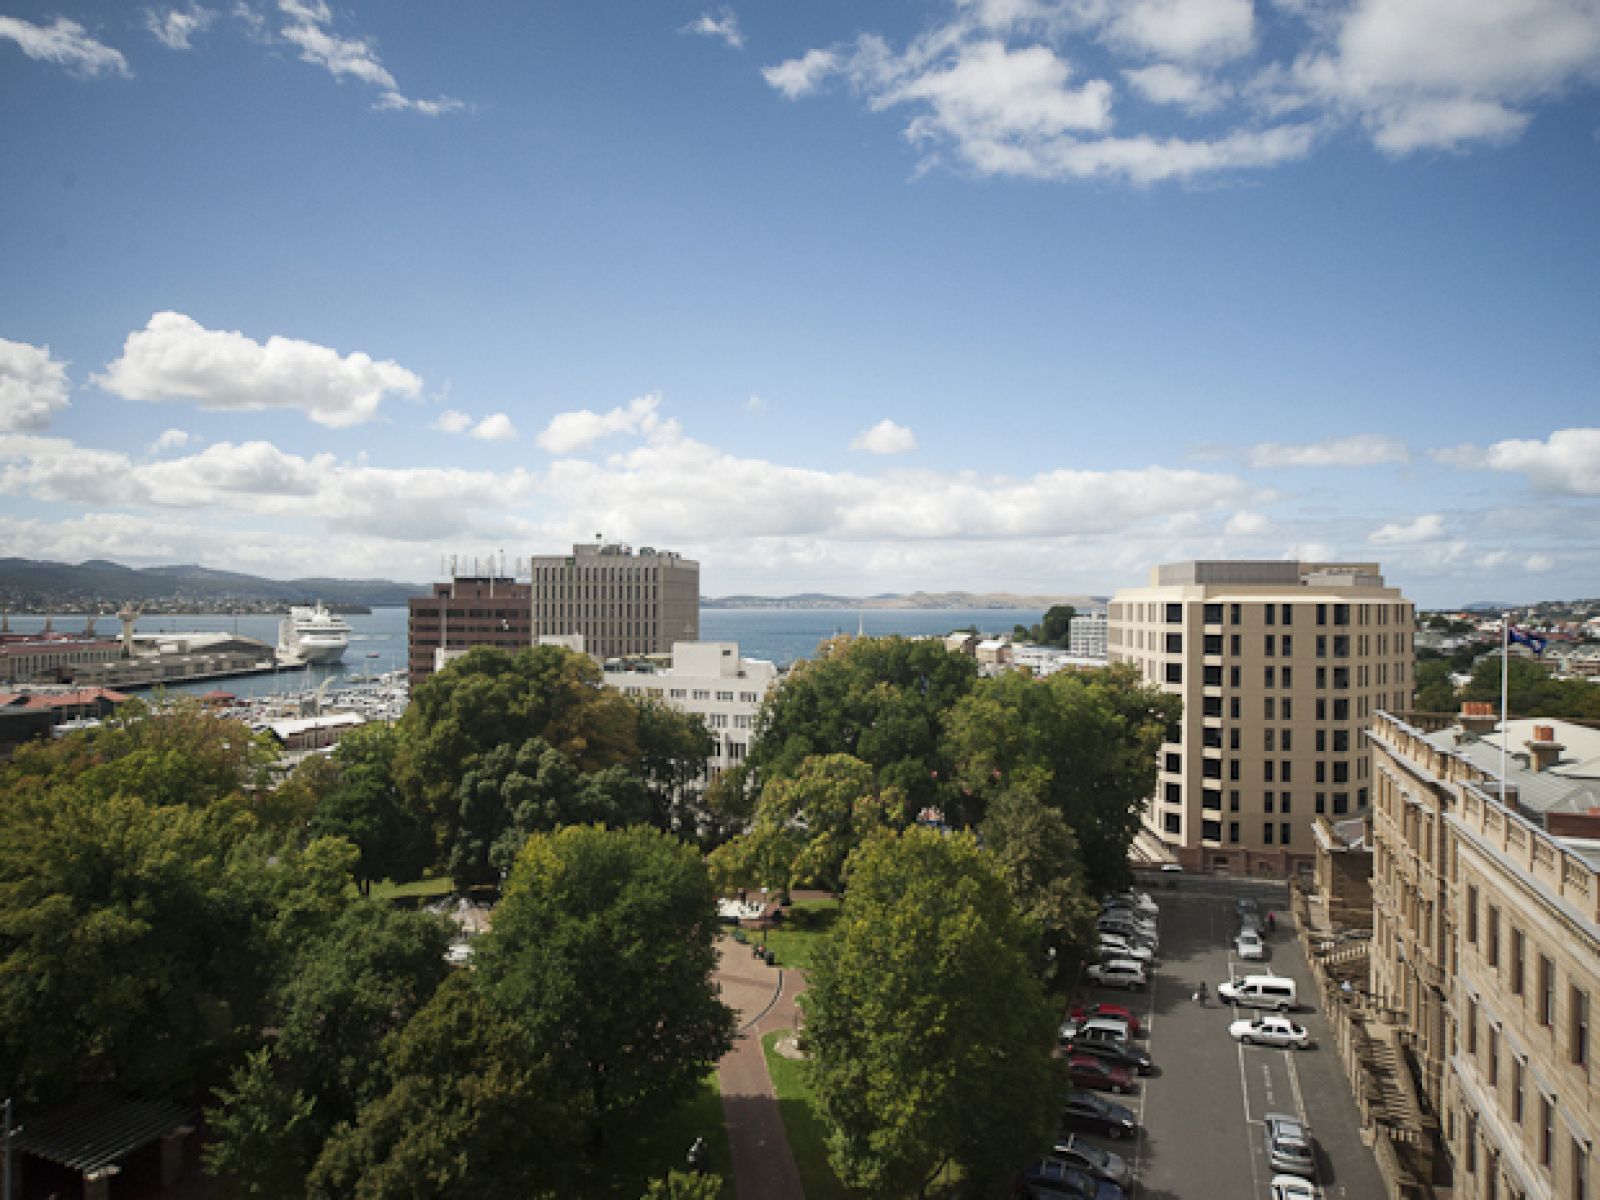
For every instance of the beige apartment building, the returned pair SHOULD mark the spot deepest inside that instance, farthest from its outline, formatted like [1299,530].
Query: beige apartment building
[1280,665]
[1486,940]
[619,602]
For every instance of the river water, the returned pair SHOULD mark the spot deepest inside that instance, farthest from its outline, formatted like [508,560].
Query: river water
[378,640]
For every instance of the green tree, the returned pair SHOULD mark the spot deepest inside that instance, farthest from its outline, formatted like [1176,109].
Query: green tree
[811,821]
[364,805]
[877,699]
[673,749]
[1532,690]
[345,993]
[1435,692]
[602,946]
[681,1185]
[931,1038]
[471,1111]
[1056,628]
[1036,853]
[1084,744]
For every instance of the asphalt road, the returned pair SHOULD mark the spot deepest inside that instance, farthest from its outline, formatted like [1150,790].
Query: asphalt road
[1200,1112]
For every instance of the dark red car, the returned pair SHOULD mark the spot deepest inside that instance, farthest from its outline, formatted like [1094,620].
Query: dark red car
[1085,1012]
[1098,1074]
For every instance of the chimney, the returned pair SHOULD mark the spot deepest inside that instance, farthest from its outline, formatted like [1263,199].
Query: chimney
[1478,717]
[1544,750]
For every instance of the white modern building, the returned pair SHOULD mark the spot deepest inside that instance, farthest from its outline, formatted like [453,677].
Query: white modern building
[710,680]
[1086,637]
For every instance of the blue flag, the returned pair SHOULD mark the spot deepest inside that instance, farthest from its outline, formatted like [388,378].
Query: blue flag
[1531,640]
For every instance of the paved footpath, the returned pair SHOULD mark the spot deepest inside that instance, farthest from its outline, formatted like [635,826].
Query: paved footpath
[763,998]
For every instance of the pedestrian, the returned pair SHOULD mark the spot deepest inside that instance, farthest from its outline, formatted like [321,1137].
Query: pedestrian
[1272,922]
[699,1156]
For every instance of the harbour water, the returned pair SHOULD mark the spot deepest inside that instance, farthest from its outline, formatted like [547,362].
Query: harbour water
[378,640]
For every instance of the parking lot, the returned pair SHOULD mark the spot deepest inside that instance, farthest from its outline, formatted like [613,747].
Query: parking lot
[1200,1112]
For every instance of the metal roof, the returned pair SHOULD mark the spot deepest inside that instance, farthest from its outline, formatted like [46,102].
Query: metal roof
[100,1129]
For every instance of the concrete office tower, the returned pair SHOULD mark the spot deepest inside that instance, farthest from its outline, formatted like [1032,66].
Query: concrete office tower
[1281,666]
[621,603]
[476,610]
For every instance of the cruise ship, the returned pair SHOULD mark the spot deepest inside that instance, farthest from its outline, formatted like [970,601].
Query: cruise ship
[312,634]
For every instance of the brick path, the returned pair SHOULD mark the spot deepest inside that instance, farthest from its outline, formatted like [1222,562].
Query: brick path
[763,996]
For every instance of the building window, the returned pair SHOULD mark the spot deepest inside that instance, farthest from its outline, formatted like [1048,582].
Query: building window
[1287,679]
[1519,1074]
[1493,1072]
[1213,643]
[1233,708]
[1547,992]
[1266,832]
[1270,737]
[1211,831]
[1283,803]
[1234,677]
[1210,707]
[1174,673]
[1271,676]
[1213,614]
[1211,800]
[1233,832]
[1472,914]
[1233,770]
[1322,802]
[1234,614]
[1547,1131]
[1174,614]
[1288,615]
[1271,615]
[1233,800]
[1266,802]
[1174,794]
[1472,1028]
[1492,950]
[1518,947]
[1580,1171]
[1174,643]
[1283,833]
[1267,705]
[1472,1121]
[1174,763]
[1578,1034]
[1288,646]
[1266,770]
[1174,822]
[1211,676]
[1233,738]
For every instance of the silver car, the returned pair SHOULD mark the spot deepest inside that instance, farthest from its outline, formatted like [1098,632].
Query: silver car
[1288,1145]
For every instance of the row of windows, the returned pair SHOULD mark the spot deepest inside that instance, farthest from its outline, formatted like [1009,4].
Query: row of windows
[1544,995]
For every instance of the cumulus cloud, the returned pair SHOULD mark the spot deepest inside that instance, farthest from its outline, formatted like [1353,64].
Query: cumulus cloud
[307,26]
[1359,450]
[572,431]
[170,439]
[495,428]
[1429,527]
[995,83]
[67,44]
[33,387]
[885,438]
[1246,524]
[175,358]
[754,403]
[173,27]
[452,421]
[723,24]
[1568,461]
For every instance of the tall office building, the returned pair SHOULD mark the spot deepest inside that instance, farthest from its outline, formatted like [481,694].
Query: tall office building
[621,603]
[1281,666]
[468,611]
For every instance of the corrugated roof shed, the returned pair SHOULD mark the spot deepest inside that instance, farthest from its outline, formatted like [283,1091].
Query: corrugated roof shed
[100,1129]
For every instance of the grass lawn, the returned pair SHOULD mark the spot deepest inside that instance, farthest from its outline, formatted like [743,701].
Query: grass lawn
[794,941]
[633,1161]
[430,889]
[807,1138]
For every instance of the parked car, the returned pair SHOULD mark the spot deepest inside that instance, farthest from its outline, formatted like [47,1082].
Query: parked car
[1124,922]
[1131,937]
[1270,1031]
[1250,946]
[1090,1072]
[1138,901]
[1288,1145]
[1292,1187]
[1246,906]
[1118,1054]
[1251,923]
[1120,1012]
[1118,1027]
[1260,991]
[1096,1114]
[1112,946]
[1050,1177]
[1119,972]
[1078,1152]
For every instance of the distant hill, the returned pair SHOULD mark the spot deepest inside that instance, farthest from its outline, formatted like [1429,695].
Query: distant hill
[29,582]
[914,600]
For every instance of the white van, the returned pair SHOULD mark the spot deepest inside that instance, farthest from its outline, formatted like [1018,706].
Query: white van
[1260,991]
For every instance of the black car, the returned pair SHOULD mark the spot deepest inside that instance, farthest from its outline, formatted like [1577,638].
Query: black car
[1085,1110]
[1119,1054]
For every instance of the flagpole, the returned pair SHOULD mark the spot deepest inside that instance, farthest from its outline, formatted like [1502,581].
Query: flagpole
[1505,676]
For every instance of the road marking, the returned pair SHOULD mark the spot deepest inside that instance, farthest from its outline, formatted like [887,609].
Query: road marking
[1300,1108]
[1244,1092]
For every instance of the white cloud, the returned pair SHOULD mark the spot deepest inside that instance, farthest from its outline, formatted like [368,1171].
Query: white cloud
[33,387]
[1567,462]
[724,24]
[1165,83]
[1438,74]
[1184,29]
[306,27]
[801,76]
[175,358]
[67,44]
[495,428]
[1359,450]
[754,403]
[170,439]
[173,27]
[570,431]
[1429,527]
[1246,524]
[1539,563]
[452,421]
[885,438]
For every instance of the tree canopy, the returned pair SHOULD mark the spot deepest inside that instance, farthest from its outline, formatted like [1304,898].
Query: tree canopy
[602,946]
[931,1039]
[1532,690]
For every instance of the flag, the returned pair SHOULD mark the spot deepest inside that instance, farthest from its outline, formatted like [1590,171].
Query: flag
[1531,640]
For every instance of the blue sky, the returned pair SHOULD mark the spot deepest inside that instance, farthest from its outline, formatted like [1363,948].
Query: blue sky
[996,294]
